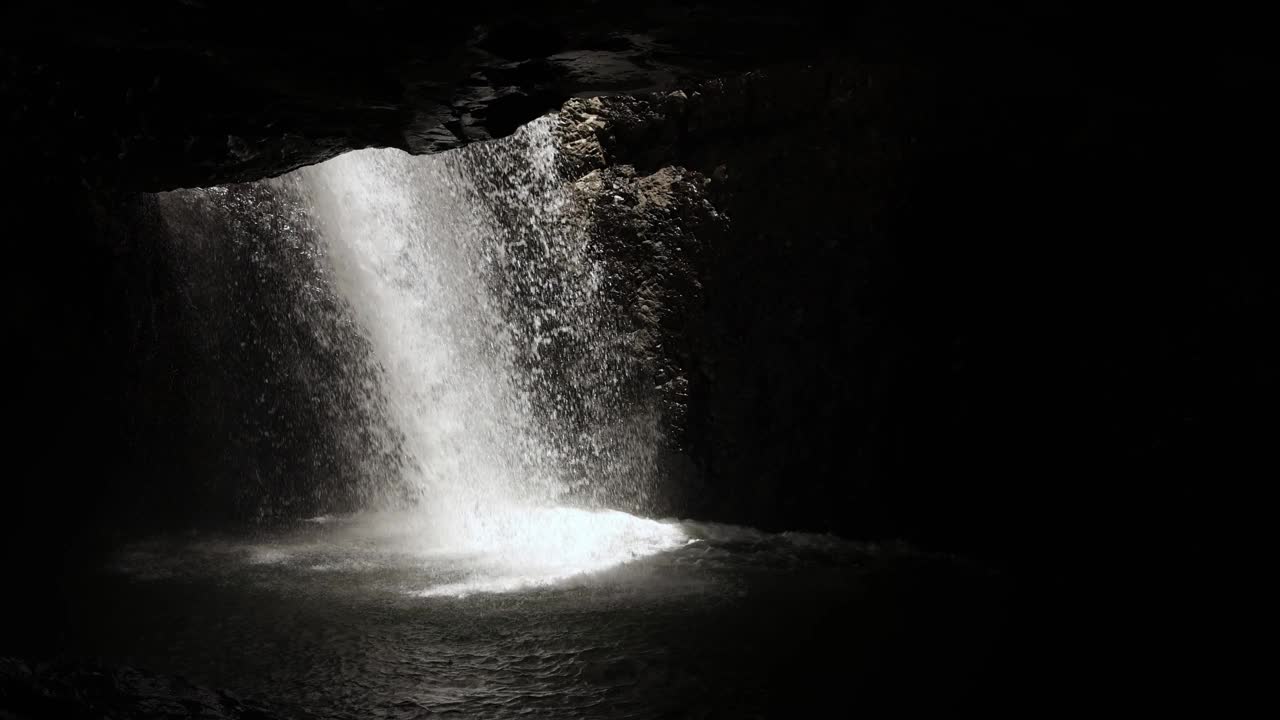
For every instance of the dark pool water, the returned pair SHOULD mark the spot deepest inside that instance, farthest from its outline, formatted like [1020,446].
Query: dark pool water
[731,623]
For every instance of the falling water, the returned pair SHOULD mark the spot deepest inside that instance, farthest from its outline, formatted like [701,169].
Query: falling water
[492,356]
[440,334]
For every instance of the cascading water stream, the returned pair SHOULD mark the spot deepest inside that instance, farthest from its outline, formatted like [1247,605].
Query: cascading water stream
[489,342]
[441,334]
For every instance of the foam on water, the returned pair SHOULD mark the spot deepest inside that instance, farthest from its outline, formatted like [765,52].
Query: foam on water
[521,548]
[390,552]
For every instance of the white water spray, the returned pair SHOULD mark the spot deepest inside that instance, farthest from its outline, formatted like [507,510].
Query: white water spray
[490,338]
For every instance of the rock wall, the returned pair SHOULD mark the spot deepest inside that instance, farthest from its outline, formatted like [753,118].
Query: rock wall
[654,232]
[158,94]
[969,305]
[772,310]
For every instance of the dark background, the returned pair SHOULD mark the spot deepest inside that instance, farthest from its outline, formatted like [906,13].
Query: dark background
[1013,302]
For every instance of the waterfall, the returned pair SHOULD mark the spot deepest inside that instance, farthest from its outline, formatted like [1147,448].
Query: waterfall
[487,349]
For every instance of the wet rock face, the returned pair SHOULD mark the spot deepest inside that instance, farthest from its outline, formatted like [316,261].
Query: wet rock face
[654,232]
[769,314]
[157,95]
[947,302]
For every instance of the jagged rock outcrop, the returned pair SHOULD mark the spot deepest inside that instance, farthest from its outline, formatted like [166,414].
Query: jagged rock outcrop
[782,176]
[655,231]
[160,94]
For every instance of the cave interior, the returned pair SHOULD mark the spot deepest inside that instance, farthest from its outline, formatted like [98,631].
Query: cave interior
[985,281]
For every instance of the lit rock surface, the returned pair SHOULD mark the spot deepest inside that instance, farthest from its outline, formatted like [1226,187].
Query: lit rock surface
[656,229]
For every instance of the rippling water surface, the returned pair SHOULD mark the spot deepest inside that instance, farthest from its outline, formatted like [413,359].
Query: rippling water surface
[351,618]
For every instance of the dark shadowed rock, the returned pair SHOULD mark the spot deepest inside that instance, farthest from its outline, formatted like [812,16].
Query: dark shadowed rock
[770,184]
[952,301]
[654,231]
[156,95]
